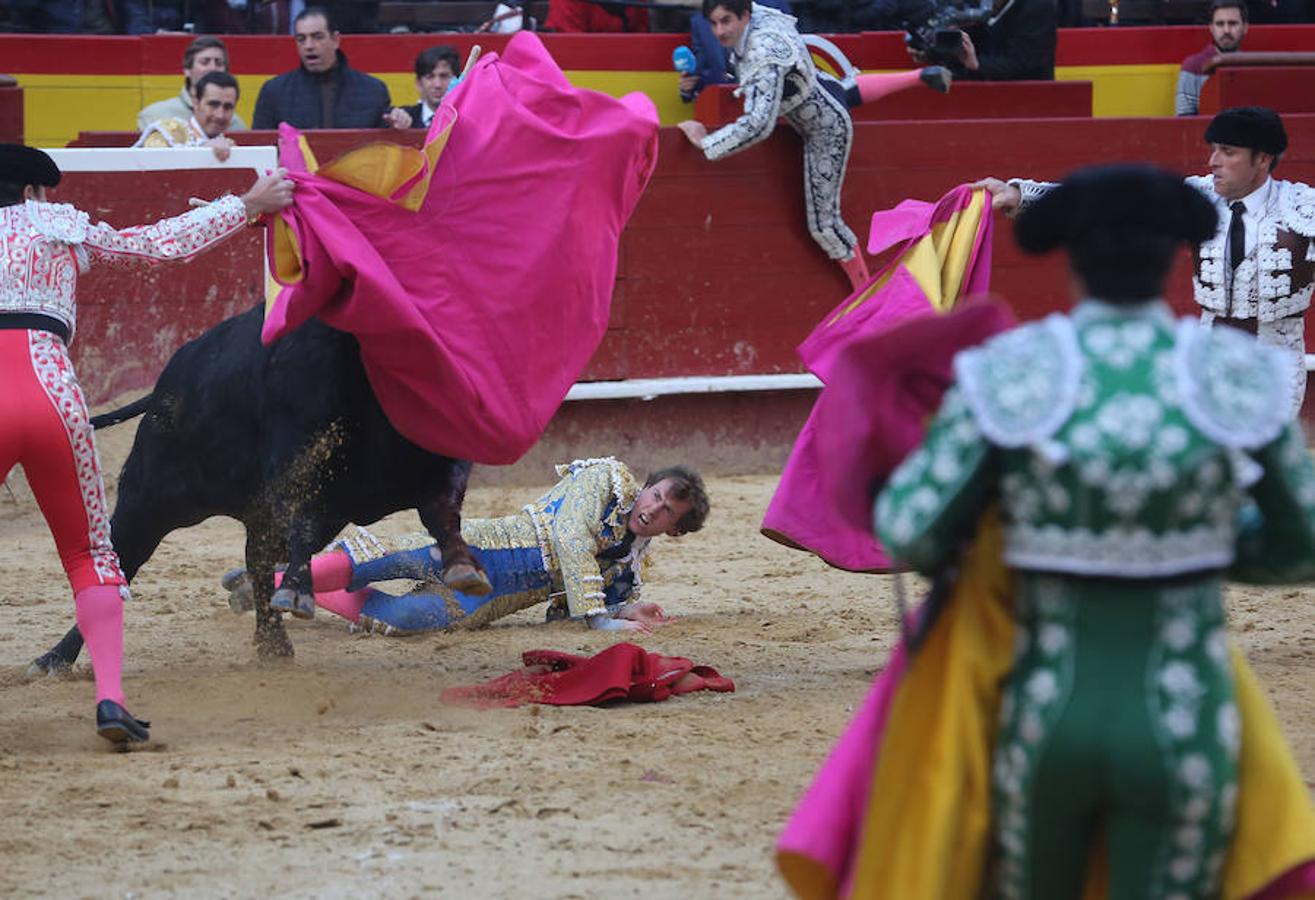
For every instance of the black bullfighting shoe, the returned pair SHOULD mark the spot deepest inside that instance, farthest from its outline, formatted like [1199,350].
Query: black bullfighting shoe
[118,726]
[938,78]
[241,596]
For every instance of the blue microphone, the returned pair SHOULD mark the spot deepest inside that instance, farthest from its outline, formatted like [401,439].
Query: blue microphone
[682,60]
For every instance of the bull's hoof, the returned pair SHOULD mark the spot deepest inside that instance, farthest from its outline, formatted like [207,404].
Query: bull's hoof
[467,579]
[272,644]
[287,600]
[241,596]
[118,726]
[49,664]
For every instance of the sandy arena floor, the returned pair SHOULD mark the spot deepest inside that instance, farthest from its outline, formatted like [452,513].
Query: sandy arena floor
[341,775]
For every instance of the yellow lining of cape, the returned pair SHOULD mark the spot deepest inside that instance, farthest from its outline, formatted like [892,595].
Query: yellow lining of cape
[937,261]
[389,171]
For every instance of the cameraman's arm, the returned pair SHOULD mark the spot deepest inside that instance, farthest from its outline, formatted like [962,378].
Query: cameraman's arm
[1029,51]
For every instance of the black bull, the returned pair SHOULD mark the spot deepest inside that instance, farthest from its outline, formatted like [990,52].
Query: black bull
[289,440]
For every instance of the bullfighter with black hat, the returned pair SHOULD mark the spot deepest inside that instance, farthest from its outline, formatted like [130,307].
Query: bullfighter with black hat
[1257,271]
[44,424]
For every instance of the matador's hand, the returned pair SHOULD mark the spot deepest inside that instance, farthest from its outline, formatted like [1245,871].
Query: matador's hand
[1004,196]
[271,193]
[650,615]
[695,131]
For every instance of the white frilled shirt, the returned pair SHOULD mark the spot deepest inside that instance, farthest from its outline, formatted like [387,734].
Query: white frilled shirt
[45,246]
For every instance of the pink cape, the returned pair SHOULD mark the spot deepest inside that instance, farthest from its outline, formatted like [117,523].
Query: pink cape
[823,501]
[476,313]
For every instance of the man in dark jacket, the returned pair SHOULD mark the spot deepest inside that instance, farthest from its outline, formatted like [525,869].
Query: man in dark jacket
[1017,43]
[324,92]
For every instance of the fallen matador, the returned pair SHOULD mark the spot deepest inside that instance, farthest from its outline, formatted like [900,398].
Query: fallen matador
[583,545]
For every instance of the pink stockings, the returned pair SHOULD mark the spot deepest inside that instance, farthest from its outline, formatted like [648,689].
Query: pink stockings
[874,87]
[100,619]
[330,573]
[870,88]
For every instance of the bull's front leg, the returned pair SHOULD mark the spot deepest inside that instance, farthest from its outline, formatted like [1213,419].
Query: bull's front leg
[309,531]
[262,552]
[441,515]
[59,659]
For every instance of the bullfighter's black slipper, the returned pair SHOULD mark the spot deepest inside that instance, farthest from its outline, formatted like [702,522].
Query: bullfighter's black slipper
[118,726]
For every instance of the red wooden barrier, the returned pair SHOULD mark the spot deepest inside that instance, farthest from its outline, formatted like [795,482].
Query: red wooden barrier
[11,111]
[717,272]
[1285,89]
[717,105]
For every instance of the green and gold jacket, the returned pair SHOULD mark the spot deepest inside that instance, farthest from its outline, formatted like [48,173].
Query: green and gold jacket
[1119,443]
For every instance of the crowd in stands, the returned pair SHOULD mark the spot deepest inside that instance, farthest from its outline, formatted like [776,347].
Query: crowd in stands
[352,16]
[324,91]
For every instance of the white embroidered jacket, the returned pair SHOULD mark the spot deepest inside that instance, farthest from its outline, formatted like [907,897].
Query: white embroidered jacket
[1275,281]
[45,246]
[776,76]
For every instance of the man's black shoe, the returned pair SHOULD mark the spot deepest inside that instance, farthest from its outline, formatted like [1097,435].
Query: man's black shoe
[117,725]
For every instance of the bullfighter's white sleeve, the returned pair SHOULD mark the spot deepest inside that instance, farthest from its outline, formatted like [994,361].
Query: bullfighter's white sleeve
[176,238]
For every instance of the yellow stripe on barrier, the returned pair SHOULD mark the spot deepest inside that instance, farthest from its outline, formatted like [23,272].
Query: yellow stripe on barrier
[57,107]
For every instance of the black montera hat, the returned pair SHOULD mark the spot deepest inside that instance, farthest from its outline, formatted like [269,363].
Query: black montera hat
[1253,127]
[27,165]
[1121,226]
[1128,200]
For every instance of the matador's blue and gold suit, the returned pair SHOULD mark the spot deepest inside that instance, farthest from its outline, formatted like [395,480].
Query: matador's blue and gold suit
[572,542]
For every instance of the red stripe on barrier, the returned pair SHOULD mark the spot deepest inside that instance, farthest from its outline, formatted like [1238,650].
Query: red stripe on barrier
[1150,45]
[40,54]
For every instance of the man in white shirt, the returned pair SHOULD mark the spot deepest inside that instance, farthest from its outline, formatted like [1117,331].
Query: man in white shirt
[204,55]
[435,68]
[216,99]
[1258,272]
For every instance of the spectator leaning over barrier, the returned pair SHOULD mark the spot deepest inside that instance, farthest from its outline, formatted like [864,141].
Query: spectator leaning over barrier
[216,98]
[205,54]
[1228,26]
[435,68]
[778,79]
[1017,43]
[324,91]
[713,64]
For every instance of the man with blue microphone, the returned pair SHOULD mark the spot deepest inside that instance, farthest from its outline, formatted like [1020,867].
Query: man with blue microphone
[778,78]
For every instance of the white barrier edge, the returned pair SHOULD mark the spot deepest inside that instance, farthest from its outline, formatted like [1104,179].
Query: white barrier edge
[143,159]
[648,388]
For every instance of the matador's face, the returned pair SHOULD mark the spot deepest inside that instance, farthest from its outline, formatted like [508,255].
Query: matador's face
[727,27]
[656,511]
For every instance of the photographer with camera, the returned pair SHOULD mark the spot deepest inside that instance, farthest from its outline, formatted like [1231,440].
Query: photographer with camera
[1008,40]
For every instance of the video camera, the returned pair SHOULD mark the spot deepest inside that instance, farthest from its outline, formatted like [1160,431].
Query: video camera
[939,38]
